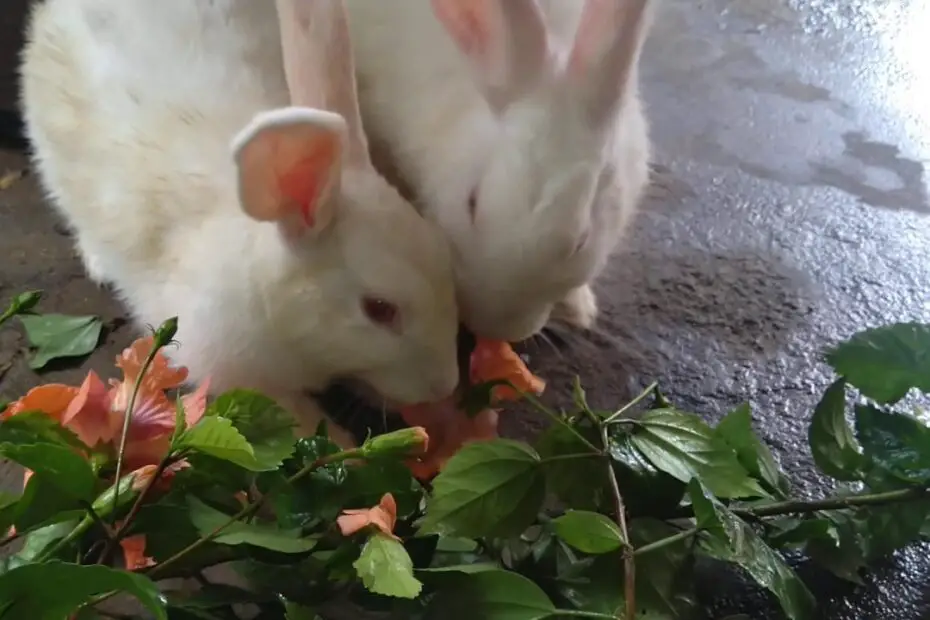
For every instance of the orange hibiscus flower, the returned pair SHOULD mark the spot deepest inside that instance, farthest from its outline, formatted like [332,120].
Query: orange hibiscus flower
[382,517]
[448,427]
[95,413]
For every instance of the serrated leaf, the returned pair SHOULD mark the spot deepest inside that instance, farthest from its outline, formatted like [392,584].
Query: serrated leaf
[885,362]
[684,446]
[844,559]
[57,465]
[886,529]
[267,426]
[800,532]
[588,532]
[646,489]
[24,590]
[831,439]
[490,595]
[219,438]
[731,539]
[55,336]
[897,443]
[385,568]
[489,488]
[207,519]
[735,429]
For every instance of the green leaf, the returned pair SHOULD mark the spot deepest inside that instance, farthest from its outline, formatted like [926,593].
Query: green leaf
[55,336]
[39,540]
[38,427]
[59,466]
[885,529]
[268,427]
[490,595]
[831,439]
[800,532]
[732,540]
[293,611]
[897,443]
[846,558]
[489,488]
[207,519]
[24,590]
[683,446]
[562,475]
[218,438]
[588,532]
[385,568]
[885,362]
[735,429]
[646,490]
[367,483]
[43,504]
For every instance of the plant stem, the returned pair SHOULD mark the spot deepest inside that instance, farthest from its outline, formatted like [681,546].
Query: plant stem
[669,540]
[578,613]
[794,506]
[622,410]
[535,402]
[134,511]
[254,507]
[629,565]
[572,457]
[127,418]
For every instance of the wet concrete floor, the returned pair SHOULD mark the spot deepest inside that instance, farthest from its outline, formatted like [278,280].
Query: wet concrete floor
[790,208]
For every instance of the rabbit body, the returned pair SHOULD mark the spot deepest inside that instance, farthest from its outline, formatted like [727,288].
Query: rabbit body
[164,134]
[495,119]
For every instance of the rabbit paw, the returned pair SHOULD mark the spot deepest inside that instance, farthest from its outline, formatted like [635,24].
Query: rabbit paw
[579,308]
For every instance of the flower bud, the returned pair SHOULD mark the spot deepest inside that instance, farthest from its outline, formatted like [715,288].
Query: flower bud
[165,332]
[404,442]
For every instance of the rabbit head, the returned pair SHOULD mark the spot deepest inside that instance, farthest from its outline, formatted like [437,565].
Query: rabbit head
[538,213]
[363,280]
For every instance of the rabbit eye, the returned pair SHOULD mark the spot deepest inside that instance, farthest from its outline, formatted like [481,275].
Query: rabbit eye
[380,311]
[473,204]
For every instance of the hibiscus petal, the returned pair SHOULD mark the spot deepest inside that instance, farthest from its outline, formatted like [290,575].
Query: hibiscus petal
[160,374]
[495,360]
[134,556]
[52,399]
[382,517]
[195,403]
[88,415]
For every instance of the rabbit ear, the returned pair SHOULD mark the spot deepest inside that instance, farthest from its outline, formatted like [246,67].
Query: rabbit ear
[289,167]
[319,66]
[605,51]
[505,40]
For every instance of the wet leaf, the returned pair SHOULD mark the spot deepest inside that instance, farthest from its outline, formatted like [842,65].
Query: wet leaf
[385,568]
[207,519]
[885,529]
[55,336]
[646,490]
[489,488]
[685,447]
[730,539]
[735,429]
[831,439]
[844,559]
[896,443]
[885,362]
[799,532]
[589,532]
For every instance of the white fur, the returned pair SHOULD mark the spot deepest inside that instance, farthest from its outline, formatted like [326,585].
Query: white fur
[139,112]
[556,156]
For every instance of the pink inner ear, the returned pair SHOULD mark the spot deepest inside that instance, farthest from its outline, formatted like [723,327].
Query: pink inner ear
[467,23]
[590,34]
[303,181]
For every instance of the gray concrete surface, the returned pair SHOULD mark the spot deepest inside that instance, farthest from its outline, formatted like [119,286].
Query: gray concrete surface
[790,209]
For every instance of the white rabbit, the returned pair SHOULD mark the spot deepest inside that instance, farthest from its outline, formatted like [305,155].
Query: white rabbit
[518,127]
[166,135]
